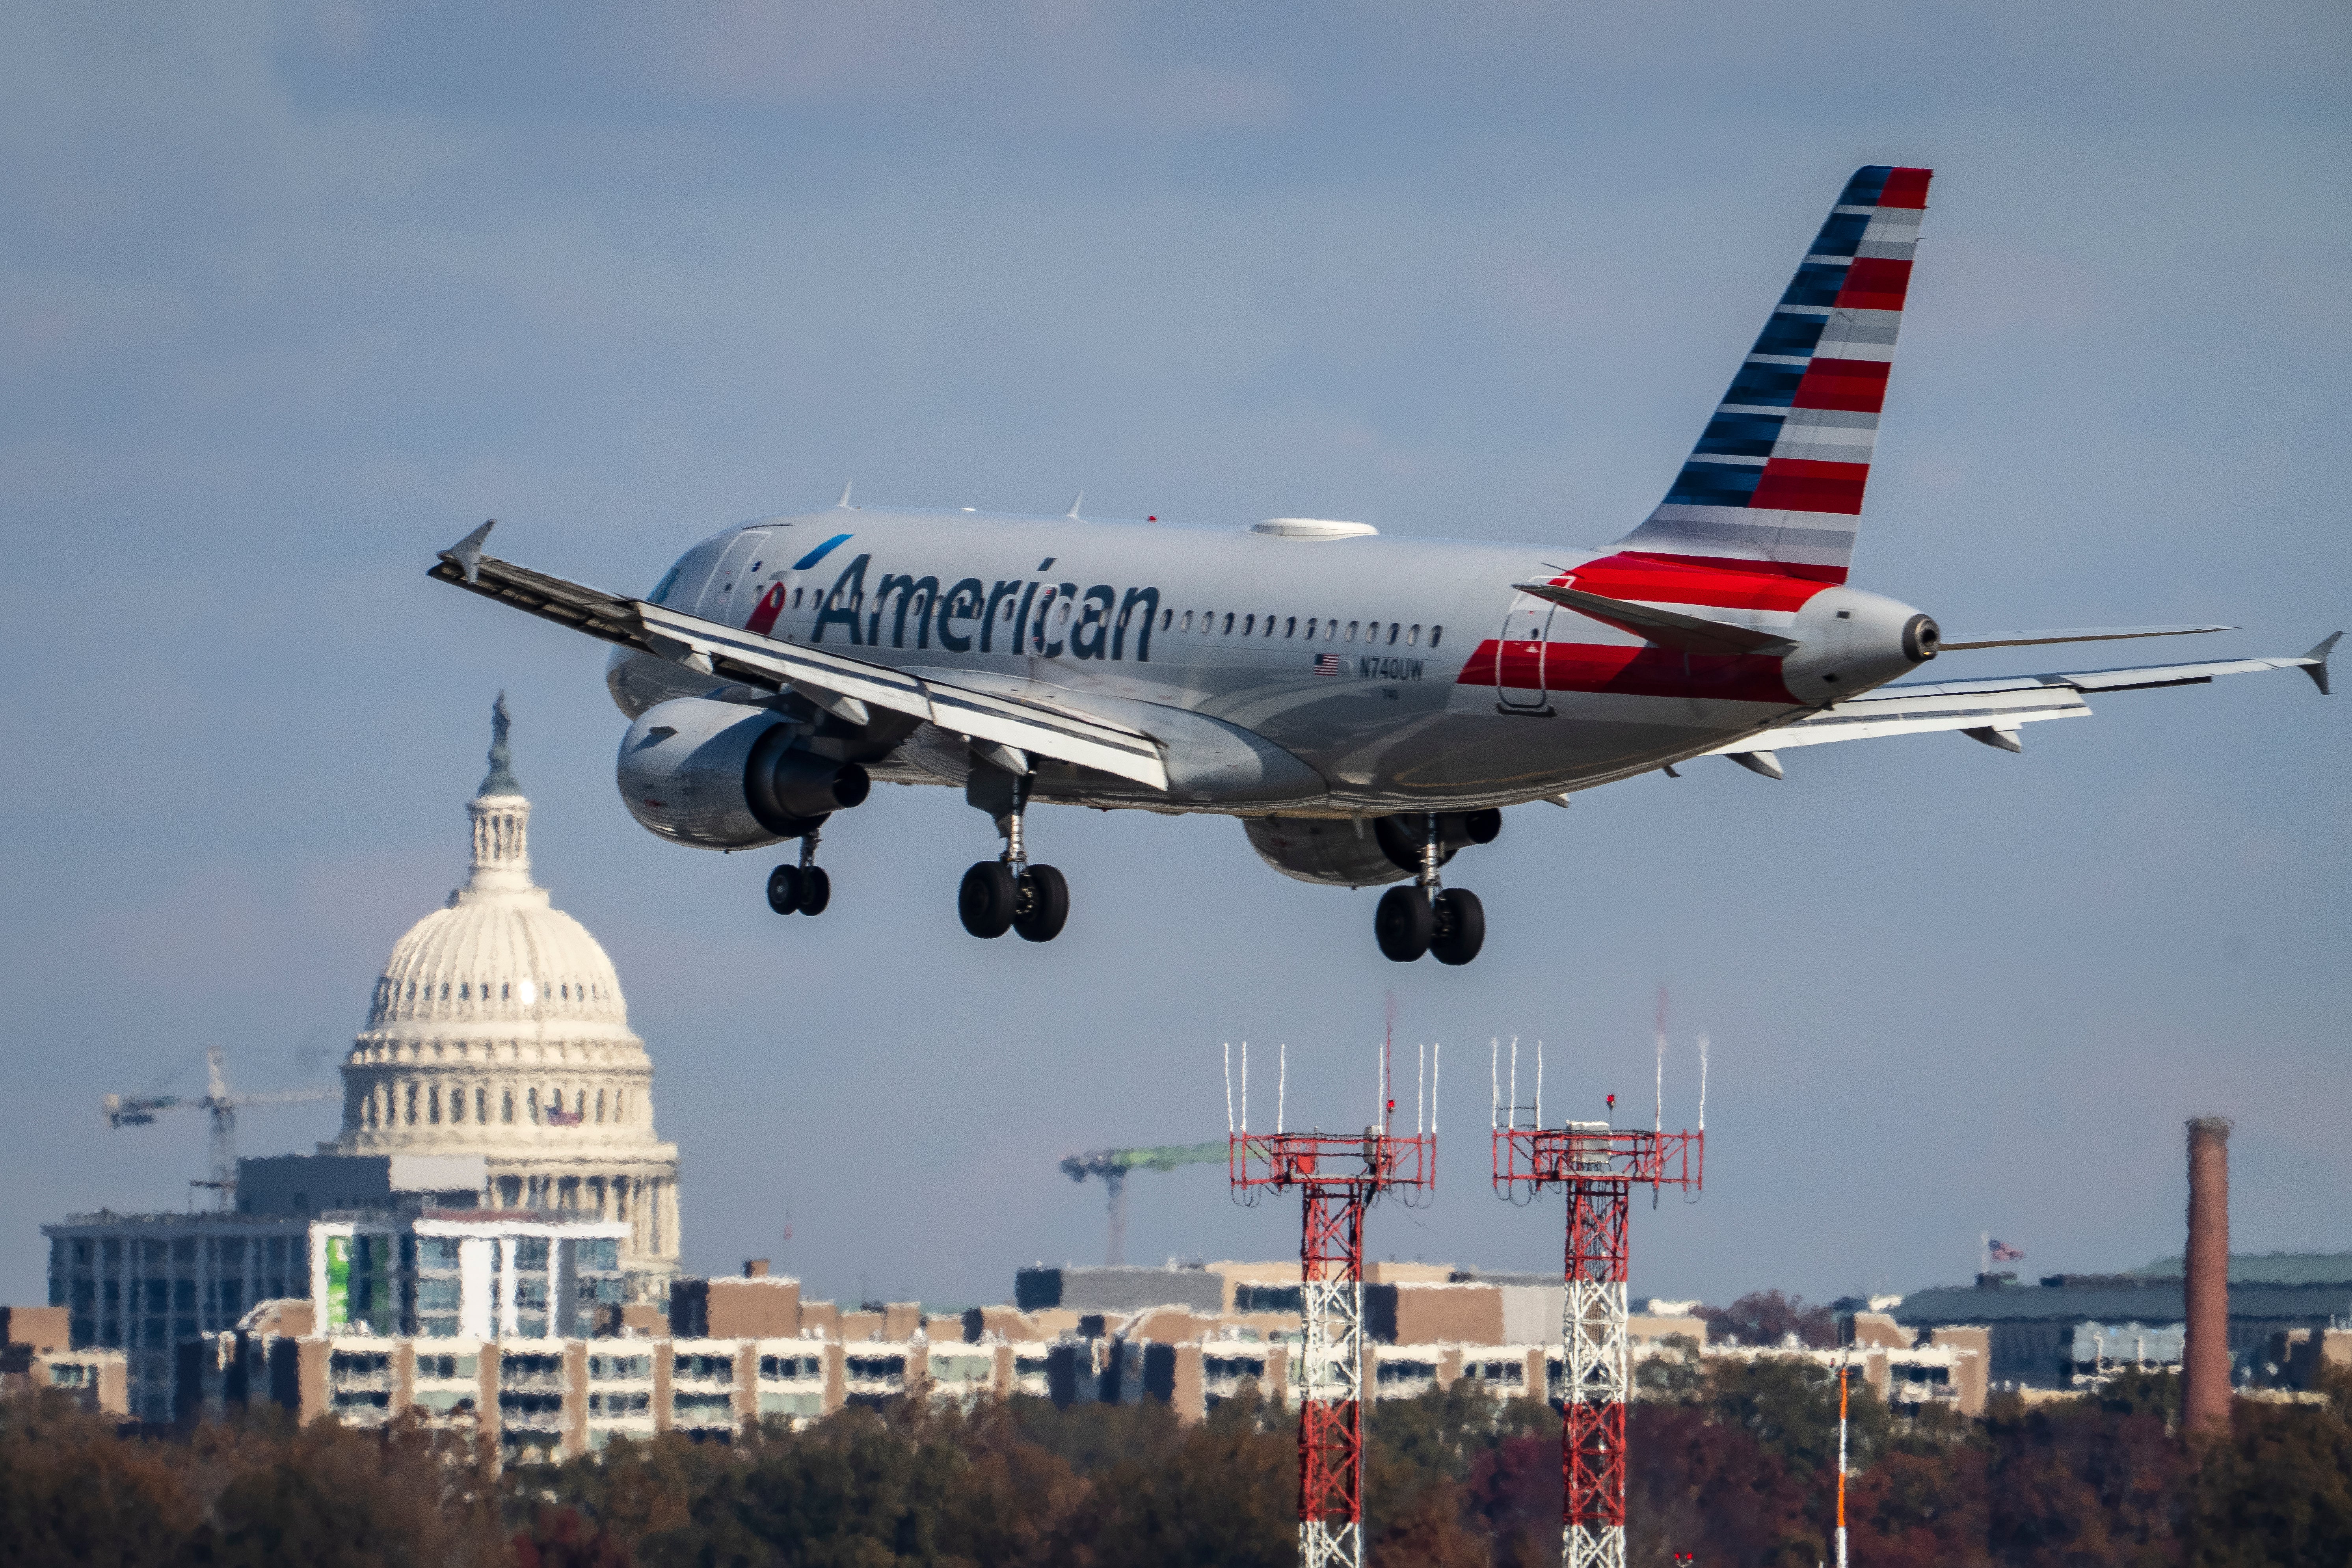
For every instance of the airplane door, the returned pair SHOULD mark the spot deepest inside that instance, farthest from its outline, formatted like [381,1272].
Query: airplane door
[728,596]
[1519,654]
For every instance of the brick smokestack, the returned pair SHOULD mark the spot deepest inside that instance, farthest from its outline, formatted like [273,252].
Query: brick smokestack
[2205,1361]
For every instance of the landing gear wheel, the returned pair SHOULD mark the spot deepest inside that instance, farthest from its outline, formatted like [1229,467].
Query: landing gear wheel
[1461,923]
[986,902]
[816,891]
[1403,923]
[785,889]
[1044,904]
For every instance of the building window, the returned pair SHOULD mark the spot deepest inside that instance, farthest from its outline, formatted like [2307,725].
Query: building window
[433,1105]
[506,1107]
[412,1105]
[481,1104]
[532,1102]
[600,1106]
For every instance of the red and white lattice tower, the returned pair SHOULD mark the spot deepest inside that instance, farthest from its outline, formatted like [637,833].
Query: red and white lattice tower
[1338,1177]
[1597,1166]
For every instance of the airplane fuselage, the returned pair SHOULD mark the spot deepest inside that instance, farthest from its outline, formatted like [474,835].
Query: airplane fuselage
[1368,673]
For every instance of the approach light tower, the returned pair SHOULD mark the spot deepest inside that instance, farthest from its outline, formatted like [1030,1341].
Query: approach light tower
[1597,1166]
[1338,1176]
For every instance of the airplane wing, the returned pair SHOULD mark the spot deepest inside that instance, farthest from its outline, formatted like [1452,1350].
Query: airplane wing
[1965,640]
[1990,711]
[848,688]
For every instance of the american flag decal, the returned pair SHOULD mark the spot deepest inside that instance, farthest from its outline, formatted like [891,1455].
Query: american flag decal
[1326,664]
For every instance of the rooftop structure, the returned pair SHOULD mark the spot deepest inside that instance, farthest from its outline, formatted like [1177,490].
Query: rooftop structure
[2034,1327]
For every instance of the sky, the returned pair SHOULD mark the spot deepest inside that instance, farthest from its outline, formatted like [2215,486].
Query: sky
[293,296]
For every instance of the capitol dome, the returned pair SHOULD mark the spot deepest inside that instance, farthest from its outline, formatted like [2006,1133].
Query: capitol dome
[498,1028]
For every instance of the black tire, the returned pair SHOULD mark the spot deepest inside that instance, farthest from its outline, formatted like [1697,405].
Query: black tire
[1045,905]
[784,889]
[816,891]
[985,901]
[1461,927]
[1403,923]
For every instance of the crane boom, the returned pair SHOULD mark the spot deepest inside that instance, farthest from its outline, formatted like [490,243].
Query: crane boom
[1113,1164]
[139,1110]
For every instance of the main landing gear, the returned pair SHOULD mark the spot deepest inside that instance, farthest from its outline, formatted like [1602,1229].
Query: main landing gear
[803,888]
[1008,893]
[1421,917]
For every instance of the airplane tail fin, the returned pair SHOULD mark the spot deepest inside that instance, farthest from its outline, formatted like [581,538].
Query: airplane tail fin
[1778,477]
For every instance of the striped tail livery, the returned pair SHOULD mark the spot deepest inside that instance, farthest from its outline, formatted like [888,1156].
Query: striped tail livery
[1778,475]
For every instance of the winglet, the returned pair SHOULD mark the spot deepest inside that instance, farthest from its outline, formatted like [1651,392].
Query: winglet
[2315,665]
[1076,504]
[466,555]
[843,504]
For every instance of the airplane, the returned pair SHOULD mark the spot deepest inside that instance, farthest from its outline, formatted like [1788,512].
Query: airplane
[1366,705]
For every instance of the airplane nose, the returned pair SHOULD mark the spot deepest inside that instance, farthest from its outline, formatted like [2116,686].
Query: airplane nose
[1922,637]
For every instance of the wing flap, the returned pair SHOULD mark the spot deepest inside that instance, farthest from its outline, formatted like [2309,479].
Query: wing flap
[780,663]
[1034,727]
[1874,717]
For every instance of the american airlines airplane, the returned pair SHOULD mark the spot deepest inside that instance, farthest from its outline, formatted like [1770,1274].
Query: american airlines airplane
[1365,705]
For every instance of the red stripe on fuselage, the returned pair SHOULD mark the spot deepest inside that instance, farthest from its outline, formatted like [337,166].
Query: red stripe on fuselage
[1644,671]
[1676,580]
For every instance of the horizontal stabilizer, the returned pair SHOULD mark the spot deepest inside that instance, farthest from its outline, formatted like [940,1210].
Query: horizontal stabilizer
[1668,628]
[1990,711]
[2085,634]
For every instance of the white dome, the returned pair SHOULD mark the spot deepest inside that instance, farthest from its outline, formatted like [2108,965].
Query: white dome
[498,959]
[498,1028]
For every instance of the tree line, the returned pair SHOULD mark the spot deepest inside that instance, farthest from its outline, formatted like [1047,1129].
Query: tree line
[1730,1462]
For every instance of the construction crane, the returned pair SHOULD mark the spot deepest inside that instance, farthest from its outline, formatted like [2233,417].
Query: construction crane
[138,1110]
[1113,1164]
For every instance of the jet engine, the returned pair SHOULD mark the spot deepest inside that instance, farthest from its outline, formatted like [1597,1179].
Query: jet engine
[717,776]
[1382,849]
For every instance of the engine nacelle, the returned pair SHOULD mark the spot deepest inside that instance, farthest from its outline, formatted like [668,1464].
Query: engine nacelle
[717,775]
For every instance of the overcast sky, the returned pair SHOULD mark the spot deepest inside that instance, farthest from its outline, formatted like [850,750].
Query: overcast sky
[292,297]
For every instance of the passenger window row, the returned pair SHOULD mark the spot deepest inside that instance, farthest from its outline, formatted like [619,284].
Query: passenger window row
[1252,625]
[1331,630]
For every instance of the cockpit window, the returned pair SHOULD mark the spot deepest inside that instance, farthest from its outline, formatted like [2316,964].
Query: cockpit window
[661,589]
